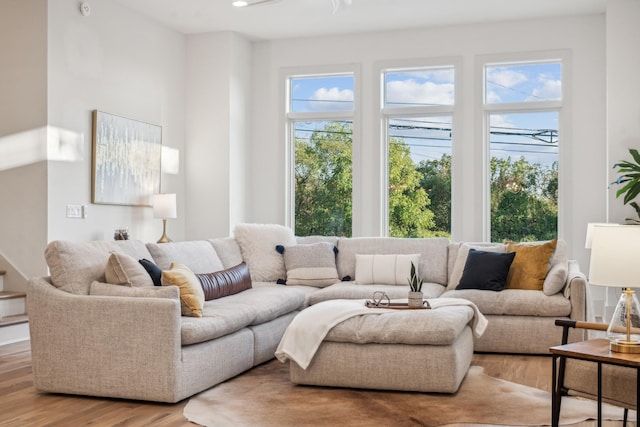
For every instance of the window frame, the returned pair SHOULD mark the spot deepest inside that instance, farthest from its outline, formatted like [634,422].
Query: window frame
[562,107]
[290,118]
[390,113]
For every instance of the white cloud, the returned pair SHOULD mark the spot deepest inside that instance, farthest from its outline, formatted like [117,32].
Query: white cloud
[549,90]
[506,77]
[499,120]
[493,97]
[332,99]
[411,92]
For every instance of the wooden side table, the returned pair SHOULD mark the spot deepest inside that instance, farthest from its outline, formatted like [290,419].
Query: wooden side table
[597,351]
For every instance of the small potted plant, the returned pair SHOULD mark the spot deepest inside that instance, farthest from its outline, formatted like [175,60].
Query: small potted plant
[630,181]
[415,283]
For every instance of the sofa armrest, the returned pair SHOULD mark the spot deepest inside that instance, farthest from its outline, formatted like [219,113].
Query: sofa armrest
[101,345]
[576,290]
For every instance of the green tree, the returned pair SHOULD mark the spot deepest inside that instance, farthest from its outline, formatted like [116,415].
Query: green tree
[436,180]
[323,182]
[524,200]
[409,215]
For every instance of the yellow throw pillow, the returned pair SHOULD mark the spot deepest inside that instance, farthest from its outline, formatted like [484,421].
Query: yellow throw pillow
[531,264]
[191,293]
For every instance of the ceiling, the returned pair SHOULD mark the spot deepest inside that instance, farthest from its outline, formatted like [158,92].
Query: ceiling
[305,18]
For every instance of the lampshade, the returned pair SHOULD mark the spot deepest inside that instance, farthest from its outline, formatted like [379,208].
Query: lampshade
[164,206]
[615,252]
[590,226]
[614,262]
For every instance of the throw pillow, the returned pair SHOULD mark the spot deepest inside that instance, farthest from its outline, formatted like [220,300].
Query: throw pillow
[486,270]
[384,269]
[311,264]
[122,269]
[461,260]
[107,289]
[225,282]
[558,270]
[154,271]
[191,293]
[257,243]
[531,264]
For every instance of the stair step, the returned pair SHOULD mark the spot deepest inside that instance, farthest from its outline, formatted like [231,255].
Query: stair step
[4,295]
[12,303]
[14,329]
[14,320]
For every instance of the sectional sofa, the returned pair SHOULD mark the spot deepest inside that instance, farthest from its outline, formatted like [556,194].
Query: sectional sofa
[100,327]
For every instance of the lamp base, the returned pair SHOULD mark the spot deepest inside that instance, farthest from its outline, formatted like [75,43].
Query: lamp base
[164,238]
[632,347]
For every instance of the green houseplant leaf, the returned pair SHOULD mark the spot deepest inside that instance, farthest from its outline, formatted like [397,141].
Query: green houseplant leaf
[415,281]
[630,181]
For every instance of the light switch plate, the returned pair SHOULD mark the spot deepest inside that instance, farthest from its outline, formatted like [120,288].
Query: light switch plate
[74,211]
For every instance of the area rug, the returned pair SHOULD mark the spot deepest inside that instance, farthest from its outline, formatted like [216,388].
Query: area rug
[264,397]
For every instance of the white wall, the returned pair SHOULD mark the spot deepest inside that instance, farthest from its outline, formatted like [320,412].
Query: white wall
[119,62]
[23,120]
[218,89]
[623,115]
[583,167]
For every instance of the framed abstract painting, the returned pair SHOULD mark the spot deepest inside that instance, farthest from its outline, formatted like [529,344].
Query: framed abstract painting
[126,160]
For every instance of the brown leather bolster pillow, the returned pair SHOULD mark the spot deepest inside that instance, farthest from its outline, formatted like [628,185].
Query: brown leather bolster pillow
[225,282]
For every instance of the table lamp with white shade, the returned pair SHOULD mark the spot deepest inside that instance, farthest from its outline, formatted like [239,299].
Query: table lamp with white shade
[615,262]
[164,207]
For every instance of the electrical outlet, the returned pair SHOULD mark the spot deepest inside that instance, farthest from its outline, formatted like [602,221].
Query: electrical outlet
[74,211]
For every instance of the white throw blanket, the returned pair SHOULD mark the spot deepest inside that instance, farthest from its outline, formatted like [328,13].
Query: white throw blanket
[304,335]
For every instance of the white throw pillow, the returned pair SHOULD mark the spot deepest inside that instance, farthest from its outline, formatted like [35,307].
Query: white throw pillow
[258,246]
[385,269]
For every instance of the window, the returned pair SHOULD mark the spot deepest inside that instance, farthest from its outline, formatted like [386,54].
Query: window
[522,103]
[320,119]
[418,114]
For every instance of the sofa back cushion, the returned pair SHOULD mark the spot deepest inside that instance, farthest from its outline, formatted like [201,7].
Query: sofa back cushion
[228,251]
[74,266]
[433,254]
[557,271]
[198,255]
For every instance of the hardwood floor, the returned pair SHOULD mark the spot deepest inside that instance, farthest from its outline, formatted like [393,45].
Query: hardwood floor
[21,405]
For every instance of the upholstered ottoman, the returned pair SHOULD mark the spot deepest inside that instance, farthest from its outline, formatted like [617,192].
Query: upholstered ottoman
[414,350]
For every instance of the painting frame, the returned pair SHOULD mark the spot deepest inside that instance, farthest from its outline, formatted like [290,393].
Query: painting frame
[126,160]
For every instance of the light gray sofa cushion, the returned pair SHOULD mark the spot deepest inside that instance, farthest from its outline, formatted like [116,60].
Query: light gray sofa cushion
[268,302]
[437,327]
[198,255]
[228,251]
[519,302]
[433,254]
[73,266]
[219,318]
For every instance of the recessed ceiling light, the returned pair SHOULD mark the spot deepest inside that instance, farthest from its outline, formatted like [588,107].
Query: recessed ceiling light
[240,3]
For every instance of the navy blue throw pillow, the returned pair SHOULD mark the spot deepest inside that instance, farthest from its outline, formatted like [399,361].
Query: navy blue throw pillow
[154,271]
[486,270]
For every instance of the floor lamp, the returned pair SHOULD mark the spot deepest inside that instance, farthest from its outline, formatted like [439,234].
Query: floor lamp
[164,207]
[615,262]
